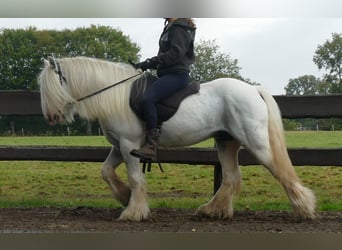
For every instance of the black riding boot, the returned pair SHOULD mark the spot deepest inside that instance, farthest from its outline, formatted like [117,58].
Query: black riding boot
[149,150]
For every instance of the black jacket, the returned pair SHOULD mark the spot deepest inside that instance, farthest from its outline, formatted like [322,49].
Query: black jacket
[176,48]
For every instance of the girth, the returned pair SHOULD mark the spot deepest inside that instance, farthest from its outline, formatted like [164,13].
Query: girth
[168,107]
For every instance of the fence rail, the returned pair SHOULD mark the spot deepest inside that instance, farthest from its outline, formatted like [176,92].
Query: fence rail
[192,156]
[28,103]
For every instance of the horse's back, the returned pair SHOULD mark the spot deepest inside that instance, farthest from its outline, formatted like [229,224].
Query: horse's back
[231,86]
[233,92]
[221,105]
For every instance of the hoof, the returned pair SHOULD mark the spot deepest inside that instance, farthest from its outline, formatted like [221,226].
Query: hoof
[209,211]
[134,214]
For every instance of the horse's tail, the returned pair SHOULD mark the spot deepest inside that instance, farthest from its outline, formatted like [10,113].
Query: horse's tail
[303,199]
[275,131]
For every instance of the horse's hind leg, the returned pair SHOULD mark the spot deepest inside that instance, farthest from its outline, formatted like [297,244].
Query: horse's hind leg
[221,205]
[268,145]
[302,199]
[120,190]
[276,159]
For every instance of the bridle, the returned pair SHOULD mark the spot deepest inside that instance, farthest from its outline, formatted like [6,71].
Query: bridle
[62,79]
[57,69]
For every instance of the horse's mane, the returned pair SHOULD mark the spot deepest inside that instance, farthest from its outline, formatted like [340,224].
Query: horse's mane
[83,77]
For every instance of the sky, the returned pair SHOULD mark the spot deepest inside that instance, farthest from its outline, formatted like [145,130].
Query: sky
[270,51]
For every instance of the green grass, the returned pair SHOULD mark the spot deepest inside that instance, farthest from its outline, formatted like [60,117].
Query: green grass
[313,139]
[310,139]
[70,184]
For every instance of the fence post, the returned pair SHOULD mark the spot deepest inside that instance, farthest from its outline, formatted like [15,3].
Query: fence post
[12,127]
[217,176]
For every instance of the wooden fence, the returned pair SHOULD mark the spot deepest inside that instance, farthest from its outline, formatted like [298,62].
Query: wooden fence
[28,103]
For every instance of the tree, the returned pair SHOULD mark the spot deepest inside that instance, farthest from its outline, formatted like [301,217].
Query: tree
[22,50]
[21,54]
[100,42]
[18,60]
[211,64]
[304,85]
[329,57]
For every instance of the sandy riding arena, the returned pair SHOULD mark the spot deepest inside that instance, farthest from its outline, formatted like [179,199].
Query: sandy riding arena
[82,219]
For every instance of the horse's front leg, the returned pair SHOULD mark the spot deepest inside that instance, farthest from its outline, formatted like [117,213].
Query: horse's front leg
[120,190]
[221,205]
[137,209]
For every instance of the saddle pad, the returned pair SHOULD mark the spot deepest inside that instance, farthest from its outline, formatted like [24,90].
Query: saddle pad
[167,108]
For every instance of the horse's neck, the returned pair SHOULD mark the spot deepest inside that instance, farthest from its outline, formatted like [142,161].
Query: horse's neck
[88,76]
[113,102]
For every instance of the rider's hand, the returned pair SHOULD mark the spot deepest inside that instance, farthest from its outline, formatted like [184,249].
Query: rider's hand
[147,64]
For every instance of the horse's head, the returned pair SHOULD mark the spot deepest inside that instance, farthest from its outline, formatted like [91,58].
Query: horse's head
[56,101]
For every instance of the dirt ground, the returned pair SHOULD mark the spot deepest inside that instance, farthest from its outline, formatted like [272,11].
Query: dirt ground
[82,219]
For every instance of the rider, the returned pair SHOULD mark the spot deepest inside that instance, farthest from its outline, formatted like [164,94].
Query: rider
[175,55]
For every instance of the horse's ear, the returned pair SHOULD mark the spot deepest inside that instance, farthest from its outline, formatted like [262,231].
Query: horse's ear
[52,62]
[46,63]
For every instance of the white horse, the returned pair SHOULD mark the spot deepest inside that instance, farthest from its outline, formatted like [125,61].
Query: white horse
[233,112]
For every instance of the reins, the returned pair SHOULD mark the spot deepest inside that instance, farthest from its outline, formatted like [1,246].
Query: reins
[108,87]
[146,164]
[57,68]
[58,71]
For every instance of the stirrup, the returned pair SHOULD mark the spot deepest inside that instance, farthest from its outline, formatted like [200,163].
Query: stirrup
[148,163]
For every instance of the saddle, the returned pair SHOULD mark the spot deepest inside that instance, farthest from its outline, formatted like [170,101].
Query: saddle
[168,107]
